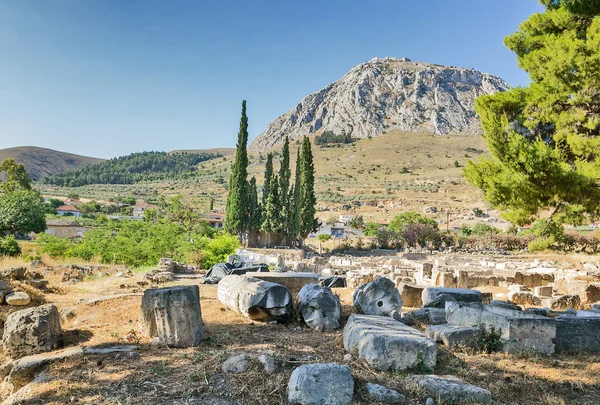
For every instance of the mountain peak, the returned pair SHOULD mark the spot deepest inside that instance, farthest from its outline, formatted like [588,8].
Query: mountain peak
[388,93]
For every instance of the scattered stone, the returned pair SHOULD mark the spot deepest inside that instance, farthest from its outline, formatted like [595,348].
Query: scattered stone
[454,335]
[379,297]
[236,364]
[429,401]
[348,357]
[436,297]
[269,363]
[321,384]
[319,308]
[13,273]
[155,343]
[451,388]
[173,314]
[564,302]
[255,299]
[39,284]
[411,295]
[379,393]
[18,298]
[543,291]
[505,304]
[386,344]
[424,316]
[31,331]
[523,298]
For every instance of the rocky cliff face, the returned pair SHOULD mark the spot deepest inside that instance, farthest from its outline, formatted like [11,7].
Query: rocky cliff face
[388,93]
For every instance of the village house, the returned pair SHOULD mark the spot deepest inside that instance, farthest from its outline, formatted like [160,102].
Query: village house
[215,219]
[63,228]
[139,209]
[68,210]
[346,217]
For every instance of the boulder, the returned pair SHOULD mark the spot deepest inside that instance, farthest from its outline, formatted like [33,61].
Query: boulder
[173,315]
[381,394]
[17,298]
[319,308]
[411,295]
[564,302]
[451,389]
[386,344]
[31,331]
[379,297]
[13,273]
[436,297]
[321,384]
[454,335]
[255,299]
[523,298]
[235,364]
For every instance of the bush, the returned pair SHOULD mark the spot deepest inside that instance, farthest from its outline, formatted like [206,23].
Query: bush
[9,246]
[482,229]
[328,137]
[324,237]
[490,340]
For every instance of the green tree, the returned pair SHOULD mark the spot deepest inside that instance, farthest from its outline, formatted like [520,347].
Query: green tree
[285,175]
[356,222]
[544,139]
[16,176]
[307,200]
[268,175]
[402,220]
[22,211]
[254,222]
[236,221]
[296,202]
[272,211]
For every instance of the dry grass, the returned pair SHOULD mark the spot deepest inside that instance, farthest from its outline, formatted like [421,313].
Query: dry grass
[182,376]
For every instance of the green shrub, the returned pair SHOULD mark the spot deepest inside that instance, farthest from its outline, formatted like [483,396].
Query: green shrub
[324,237]
[490,340]
[9,246]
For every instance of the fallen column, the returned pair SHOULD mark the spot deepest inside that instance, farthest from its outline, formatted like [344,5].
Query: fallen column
[319,307]
[379,297]
[255,299]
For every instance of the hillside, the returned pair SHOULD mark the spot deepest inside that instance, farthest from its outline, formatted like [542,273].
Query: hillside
[388,94]
[42,162]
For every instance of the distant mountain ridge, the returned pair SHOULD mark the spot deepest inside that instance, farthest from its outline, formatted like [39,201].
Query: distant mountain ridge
[384,94]
[42,162]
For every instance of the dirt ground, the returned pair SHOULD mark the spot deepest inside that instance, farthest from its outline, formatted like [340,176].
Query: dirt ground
[193,376]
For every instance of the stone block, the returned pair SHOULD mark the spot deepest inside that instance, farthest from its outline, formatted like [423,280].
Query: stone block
[424,316]
[454,335]
[321,384]
[411,295]
[18,298]
[577,334]
[319,308]
[31,331]
[543,291]
[438,296]
[523,298]
[292,280]
[451,389]
[379,297]
[386,344]
[173,315]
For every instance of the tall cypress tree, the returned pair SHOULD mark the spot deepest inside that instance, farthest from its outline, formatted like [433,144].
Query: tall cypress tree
[296,203]
[271,219]
[308,200]
[237,212]
[285,175]
[268,175]
[254,219]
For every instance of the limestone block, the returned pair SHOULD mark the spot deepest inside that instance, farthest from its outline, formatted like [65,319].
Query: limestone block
[379,297]
[321,384]
[543,291]
[411,295]
[31,331]
[319,307]
[577,334]
[454,335]
[438,296]
[451,389]
[386,344]
[17,298]
[173,314]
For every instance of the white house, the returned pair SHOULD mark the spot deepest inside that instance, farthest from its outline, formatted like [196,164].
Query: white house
[138,210]
[346,217]
[68,210]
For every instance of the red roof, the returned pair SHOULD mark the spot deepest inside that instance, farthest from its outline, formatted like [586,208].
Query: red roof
[67,208]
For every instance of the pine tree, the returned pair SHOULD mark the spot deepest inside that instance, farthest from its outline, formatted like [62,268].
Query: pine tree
[544,139]
[285,175]
[308,200]
[268,175]
[237,212]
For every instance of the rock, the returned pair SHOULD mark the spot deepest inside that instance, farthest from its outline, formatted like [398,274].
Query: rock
[18,298]
[13,273]
[451,389]
[411,295]
[236,364]
[454,335]
[255,299]
[436,297]
[31,331]
[577,334]
[319,308]
[441,102]
[424,316]
[321,384]
[269,363]
[39,284]
[386,344]
[543,291]
[505,304]
[173,315]
[379,297]
[523,298]
[348,357]
[155,343]
[379,393]
[429,401]
[564,302]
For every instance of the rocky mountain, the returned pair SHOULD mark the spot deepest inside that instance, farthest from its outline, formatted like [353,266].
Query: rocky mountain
[42,162]
[383,94]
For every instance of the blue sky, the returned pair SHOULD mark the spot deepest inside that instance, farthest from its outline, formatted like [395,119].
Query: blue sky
[110,77]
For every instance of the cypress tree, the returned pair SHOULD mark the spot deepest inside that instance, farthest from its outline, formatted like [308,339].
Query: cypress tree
[271,221]
[237,200]
[254,222]
[285,175]
[307,191]
[296,203]
[268,175]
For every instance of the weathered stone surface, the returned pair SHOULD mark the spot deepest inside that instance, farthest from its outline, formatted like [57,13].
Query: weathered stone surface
[543,291]
[173,314]
[319,307]
[504,304]
[523,298]
[411,295]
[255,299]
[564,302]
[292,280]
[31,331]
[386,344]
[451,389]
[236,364]
[17,298]
[13,273]
[577,334]
[424,316]
[437,297]
[321,384]
[381,394]
[379,297]
[454,335]
[520,331]
[441,102]
[269,363]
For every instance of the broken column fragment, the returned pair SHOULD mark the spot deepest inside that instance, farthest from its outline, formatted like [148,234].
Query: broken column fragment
[319,307]
[379,297]
[255,299]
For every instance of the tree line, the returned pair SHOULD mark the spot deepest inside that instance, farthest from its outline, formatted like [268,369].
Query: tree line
[134,168]
[285,213]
